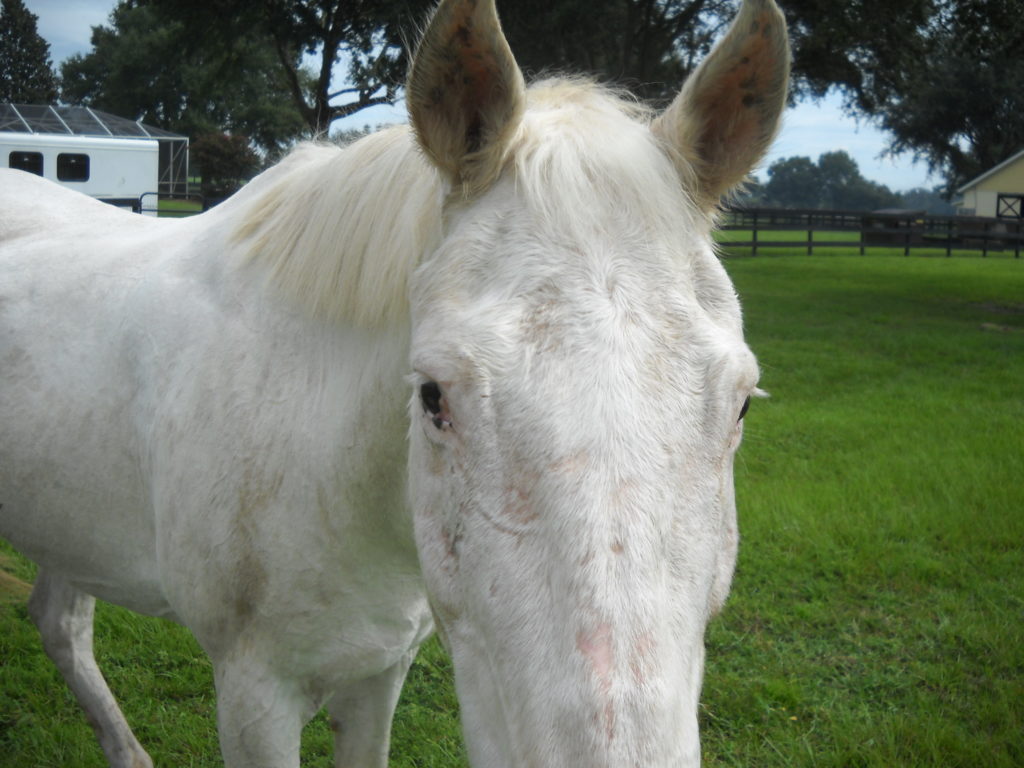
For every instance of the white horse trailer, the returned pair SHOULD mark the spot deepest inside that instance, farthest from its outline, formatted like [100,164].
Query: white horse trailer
[121,171]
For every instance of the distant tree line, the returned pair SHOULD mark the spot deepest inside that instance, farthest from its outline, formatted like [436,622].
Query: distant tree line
[833,182]
[941,77]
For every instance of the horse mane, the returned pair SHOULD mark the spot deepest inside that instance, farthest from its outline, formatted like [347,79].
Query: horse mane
[585,155]
[341,229]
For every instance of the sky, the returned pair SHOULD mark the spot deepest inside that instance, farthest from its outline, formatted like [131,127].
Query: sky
[810,128]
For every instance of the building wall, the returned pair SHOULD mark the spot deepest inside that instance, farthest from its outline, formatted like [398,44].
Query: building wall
[1010,180]
[983,196]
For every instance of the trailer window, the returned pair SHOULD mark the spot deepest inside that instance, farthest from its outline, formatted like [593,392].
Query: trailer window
[26,161]
[72,167]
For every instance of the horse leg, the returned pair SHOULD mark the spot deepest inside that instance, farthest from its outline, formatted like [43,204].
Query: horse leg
[259,716]
[360,716]
[64,616]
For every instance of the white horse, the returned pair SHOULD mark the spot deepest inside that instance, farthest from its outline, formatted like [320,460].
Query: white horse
[484,374]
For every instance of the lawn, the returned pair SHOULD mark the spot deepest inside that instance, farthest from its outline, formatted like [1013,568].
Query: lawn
[877,616]
[179,208]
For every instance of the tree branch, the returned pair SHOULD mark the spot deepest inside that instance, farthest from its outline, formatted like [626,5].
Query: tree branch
[343,92]
[344,110]
[292,78]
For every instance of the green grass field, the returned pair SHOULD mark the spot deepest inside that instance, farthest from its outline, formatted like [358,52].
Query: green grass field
[877,616]
[179,208]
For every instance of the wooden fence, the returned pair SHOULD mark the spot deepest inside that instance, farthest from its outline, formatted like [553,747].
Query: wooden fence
[906,230]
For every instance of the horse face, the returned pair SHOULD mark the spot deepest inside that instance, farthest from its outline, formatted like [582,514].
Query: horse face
[571,479]
[580,380]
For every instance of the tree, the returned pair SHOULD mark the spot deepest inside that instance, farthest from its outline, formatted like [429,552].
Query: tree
[929,200]
[224,162]
[793,182]
[834,182]
[26,75]
[146,65]
[373,35]
[941,76]
[648,45]
[844,188]
[960,109]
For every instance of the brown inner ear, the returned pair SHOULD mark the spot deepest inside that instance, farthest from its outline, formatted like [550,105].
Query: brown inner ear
[465,92]
[475,65]
[729,122]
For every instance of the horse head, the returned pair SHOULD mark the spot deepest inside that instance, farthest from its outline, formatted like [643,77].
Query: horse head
[580,384]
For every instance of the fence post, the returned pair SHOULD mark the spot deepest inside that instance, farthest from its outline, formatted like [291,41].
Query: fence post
[753,237]
[949,237]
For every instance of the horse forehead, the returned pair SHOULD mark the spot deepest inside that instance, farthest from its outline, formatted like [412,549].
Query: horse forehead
[564,314]
[579,251]
[503,250]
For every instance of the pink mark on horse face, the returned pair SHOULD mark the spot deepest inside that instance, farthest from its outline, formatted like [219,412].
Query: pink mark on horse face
[596,647]
[643,656]
[571,464]
[518,505]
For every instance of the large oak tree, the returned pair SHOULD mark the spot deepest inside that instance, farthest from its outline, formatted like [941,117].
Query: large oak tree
[942,77]
[371,37]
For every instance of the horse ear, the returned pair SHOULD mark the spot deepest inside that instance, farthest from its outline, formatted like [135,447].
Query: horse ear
[726,116]
[465,93]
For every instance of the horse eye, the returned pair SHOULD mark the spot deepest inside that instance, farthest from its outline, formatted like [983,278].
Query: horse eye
[430,396]
[744,409]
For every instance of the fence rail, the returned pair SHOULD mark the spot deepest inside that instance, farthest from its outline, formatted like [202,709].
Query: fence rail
[906,230]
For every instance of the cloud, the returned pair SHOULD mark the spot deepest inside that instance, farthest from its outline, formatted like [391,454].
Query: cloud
[67,24]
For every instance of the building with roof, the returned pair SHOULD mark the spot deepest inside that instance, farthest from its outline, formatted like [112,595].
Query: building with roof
[997,193]
[30,134]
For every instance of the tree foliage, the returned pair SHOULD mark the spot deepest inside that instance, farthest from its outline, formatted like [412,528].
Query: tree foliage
[26,75]
[833,182]
[942,77]
[224,162]
[792,183]
[648,45]
[147,65]
[373,36]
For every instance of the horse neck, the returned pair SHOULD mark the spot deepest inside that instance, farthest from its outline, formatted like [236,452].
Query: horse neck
[320,252]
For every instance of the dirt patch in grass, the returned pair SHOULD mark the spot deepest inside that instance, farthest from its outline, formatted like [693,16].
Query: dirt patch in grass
[12,589]
[1000,328]
[997,308]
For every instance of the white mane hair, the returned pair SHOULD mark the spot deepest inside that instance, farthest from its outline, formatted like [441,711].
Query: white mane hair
[584,151]
[341,230]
